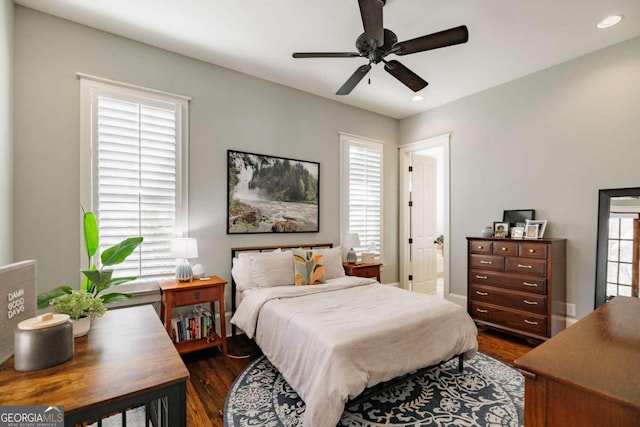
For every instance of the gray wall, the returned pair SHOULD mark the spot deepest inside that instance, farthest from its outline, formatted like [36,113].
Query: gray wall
[6,133]
[548,141]
[229,110]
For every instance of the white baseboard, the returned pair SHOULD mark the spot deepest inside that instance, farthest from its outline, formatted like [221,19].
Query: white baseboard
[461,300]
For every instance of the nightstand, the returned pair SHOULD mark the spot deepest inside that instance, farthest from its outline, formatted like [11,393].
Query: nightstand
[208,291]
[363,270]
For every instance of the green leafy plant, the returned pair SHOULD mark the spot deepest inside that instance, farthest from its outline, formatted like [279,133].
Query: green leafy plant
[439,240]
[79,304]
[95,280]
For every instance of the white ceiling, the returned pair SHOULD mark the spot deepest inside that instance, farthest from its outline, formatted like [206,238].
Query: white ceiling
[507,39]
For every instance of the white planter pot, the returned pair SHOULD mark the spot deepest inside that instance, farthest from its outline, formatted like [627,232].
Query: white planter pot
[81,326]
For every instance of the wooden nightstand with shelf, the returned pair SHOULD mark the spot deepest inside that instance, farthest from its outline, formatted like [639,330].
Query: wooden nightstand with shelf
[371,270]
[208,291]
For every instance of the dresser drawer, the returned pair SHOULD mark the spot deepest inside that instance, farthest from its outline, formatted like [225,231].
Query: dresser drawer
[537,267]
[487,262]
[505,248]
[526,322]
[194,296]
[532,250]
[479,247]
[516,300]
[509,281]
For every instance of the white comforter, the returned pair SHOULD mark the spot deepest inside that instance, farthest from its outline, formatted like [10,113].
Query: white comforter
[332,341]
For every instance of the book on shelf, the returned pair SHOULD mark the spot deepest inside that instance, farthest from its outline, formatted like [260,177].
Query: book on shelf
[192,326]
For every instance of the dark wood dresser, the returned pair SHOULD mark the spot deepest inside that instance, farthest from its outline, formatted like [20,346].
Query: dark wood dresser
[589,375]
[517,285]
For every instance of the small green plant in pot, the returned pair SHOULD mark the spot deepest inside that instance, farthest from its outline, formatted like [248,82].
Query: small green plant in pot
[90,300]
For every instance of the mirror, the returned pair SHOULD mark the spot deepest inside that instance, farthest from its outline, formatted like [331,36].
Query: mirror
[618,251]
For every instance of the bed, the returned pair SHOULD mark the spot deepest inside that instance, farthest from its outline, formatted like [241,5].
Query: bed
[333,340]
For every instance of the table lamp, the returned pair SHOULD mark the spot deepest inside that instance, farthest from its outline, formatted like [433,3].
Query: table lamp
[351,240]
[182,249]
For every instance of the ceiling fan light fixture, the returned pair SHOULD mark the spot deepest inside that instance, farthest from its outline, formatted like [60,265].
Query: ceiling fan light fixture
[417,98]
[609,21]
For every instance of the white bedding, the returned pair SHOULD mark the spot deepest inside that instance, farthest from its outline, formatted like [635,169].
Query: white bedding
[332,341]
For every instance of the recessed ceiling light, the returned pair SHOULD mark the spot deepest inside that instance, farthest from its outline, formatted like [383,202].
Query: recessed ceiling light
[609,21]
[417,98]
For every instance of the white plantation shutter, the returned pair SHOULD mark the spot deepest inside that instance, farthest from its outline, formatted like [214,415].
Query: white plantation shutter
[136,182]
[362,191]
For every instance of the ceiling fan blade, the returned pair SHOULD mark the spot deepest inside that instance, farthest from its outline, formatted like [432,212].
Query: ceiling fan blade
[355,78]
[405,75]
[326,55]
[371,12]
[444,38]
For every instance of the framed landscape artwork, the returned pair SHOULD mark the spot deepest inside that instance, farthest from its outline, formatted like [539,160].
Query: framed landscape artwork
[268,194]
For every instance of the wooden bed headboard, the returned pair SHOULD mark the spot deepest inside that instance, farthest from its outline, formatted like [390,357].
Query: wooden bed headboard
[236,251]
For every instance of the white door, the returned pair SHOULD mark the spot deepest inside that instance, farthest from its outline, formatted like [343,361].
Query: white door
[423,224]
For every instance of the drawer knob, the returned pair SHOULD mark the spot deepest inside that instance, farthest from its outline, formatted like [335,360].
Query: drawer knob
[479,310]
[535,285]
[524,266]
[484,294]
[196,294]
[530,302]
[486,262]
[504,249]
[480,247]
[531,251]
[530,322]
[481,277]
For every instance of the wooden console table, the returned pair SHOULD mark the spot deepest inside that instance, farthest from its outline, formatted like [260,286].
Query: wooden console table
[127,360]
[589,374]
[371,270]
[199,291]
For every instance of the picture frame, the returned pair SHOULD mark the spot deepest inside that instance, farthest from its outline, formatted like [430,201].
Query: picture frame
[500,230]
[517,232]
[531,231]
[518,217]
[272,194]
[542,225]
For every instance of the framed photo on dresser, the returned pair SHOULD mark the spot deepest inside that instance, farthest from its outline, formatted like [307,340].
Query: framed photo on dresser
[500,229]
[531,231]
[517,232]
[541,223]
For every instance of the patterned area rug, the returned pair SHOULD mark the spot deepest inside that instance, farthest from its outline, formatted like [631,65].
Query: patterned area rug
[487,393]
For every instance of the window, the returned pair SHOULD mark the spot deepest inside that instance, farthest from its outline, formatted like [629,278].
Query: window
[361,187]
[133,149]
[623,241]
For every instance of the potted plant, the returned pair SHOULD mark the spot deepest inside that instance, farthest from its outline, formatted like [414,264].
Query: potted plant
[89,302]
[439,242]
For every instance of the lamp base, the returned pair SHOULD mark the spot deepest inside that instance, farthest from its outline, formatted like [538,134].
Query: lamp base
[184,272]
[352,258]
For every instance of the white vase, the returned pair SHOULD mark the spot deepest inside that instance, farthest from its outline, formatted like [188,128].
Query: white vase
[81,327]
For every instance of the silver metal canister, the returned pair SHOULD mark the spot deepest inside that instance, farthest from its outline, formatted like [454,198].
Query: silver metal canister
[43,341]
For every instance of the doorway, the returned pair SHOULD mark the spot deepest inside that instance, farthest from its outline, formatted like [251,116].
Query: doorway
[424,216]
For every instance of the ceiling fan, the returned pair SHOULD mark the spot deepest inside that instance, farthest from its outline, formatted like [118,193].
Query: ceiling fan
[377,42]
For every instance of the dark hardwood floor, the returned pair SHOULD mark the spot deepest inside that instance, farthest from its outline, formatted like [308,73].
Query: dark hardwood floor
[212,374]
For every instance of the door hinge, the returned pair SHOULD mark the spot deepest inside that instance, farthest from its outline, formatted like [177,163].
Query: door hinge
[410,168]
[411,277]
[410,203]
[410,241]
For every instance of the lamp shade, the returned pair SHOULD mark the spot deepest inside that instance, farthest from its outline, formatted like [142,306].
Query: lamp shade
[184,248]
[351,240]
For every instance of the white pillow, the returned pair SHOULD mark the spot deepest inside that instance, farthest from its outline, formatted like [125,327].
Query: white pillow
[333,262]
[272,269]
[241,272]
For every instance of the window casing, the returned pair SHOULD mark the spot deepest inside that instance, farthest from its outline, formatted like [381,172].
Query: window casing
[133,158]
[361,179]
